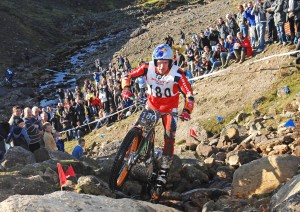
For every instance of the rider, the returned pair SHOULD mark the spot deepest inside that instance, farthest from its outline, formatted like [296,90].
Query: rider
[9,75]
[165,81]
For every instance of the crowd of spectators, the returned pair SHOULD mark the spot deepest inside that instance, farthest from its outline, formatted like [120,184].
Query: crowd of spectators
[100,98]
[240,35]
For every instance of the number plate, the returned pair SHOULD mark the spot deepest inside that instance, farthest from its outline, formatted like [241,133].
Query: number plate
[148,118]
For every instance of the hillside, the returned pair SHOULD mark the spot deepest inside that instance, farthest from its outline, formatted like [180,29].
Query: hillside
[247,162]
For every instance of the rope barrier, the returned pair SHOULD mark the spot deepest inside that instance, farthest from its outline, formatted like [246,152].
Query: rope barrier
[227,69]
[102,118]
[192,79]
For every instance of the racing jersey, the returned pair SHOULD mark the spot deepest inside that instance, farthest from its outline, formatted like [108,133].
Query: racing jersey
[163,90]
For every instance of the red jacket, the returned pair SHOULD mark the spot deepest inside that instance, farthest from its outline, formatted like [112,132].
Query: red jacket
[246,44]
[163,91]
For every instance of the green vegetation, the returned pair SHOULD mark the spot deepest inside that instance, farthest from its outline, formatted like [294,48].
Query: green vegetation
[291,78]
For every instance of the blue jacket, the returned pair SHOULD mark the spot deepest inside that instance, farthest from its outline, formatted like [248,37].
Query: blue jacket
[97,77]
[250,17]
[230,46]
[77,152]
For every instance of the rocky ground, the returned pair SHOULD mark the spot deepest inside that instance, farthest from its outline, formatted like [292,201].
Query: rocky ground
[248,162]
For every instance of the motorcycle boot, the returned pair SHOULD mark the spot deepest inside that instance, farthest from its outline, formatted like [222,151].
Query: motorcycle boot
[161,179]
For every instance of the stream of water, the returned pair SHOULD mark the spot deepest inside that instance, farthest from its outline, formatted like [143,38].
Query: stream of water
[67,78]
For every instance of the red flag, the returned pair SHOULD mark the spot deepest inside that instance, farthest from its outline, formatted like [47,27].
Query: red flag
[70,172]
[193,133]
[61,174]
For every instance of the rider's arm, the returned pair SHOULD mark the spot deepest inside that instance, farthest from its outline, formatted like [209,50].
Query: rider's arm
[187,91]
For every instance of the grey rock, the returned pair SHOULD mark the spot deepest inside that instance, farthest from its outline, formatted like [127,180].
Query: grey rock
[53,176]
[41,155]
[221,156]
[263,175]
[287,198]
[58,155]
[104,165]
[209,206]
[132,188]
[17,156]
[205,150]
[71,202]
[190,207]
[240,117]
[92,185]
[240,157]
[192,173]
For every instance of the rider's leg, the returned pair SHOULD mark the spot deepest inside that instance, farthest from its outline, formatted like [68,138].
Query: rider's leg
[170,124]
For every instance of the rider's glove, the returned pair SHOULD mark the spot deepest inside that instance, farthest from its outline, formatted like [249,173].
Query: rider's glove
[185,116]
[189,104]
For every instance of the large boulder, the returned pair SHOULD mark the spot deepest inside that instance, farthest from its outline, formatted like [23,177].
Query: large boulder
[91,185]
[104,165]
[71,201]
[192,173]
[240,157]
[41,155]
[287,198]
[263,175]
[17,156]
[205,150]
[11,184]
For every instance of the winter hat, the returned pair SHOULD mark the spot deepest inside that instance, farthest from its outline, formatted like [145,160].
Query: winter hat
[18,121]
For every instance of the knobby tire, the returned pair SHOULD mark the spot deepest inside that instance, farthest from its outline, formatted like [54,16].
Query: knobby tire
[119,172]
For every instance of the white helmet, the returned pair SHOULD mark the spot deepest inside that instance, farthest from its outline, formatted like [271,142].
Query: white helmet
[163,52]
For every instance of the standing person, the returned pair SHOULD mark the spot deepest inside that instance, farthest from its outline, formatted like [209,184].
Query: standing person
[272,31]
[169,40]
[182,38]
[61,95]
[48,138]
[203,41]
[165,82]
[19,134]
[242,21]
[127,64]
[179,59]
[251,20]
[104,99]
[231,24]
[32,129]
[142,84]
[189,52]
[16,114]
[279,19]
[79,111]
[213,36]
[121,62]
[78,150]
[261,23]
[69,95]
[293,17]
[9,75]
[222,28]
